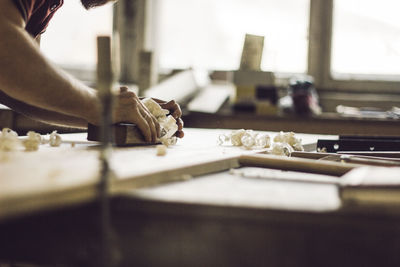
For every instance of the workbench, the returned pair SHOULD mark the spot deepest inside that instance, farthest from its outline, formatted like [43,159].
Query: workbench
[326,123]
[184,209]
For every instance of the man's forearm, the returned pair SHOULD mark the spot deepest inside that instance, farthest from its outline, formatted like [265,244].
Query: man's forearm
[25,75]
[43,115]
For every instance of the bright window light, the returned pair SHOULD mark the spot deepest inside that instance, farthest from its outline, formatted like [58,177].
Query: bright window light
[209,34]
[70,39]
[366,37]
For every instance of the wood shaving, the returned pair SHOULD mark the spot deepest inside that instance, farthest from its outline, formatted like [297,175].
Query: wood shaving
[263,141]
[155,108]
[281,149]
[222,138]
[161,150]
[32,142]
[186,177]
[169,141]
[169,126]
[55,139]
[289,138]
[248,139]
[236,137]
[9,140]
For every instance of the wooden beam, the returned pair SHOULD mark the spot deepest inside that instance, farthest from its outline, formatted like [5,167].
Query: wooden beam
[320,38]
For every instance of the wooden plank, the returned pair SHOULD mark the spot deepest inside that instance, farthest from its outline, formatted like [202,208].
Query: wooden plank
[319,60]
[297,164]
[179,87]
[252,52]
[211,98]
[46,179]
[249,187]
[147,73]
[129,20]
[252,78]
[54,177]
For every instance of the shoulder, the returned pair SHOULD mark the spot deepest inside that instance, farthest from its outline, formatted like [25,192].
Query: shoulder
[10,13]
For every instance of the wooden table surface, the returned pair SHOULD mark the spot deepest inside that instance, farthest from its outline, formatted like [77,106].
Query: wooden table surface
[216,219]
[57,176]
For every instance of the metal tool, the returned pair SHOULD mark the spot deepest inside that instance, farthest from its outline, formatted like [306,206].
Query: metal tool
[360,143]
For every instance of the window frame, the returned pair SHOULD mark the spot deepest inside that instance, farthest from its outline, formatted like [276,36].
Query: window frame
[320,53]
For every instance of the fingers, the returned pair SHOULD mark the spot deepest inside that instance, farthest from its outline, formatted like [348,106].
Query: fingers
[175,111]
[126,93]
[152,121]
[123,89]
[130,109]
[174,108]
[179,133]
[152,127]
[143,125]
[158,128]
[179,121]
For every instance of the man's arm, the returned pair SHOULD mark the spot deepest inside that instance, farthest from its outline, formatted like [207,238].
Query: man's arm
[42,114]
[27,77]
[37,39]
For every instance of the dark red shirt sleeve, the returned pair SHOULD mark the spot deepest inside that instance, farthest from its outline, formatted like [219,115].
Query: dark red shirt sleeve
[37,13]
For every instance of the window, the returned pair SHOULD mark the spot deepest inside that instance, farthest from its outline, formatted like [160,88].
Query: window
[209,34]
[70,39]
[344,44]
[351,47]
[366,38]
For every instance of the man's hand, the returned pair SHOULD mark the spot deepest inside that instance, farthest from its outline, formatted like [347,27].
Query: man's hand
[129,108]
[175,111]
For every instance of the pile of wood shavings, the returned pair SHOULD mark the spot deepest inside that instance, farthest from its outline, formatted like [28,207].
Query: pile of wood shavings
[9,140]
[246,138]
[284,143]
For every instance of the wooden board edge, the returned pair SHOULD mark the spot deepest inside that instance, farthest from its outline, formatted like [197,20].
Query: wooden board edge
[47,201]
[178,174]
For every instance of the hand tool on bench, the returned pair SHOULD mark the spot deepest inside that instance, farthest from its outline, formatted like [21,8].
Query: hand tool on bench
[297,164]
[123,134]
[360,143]
[349,158]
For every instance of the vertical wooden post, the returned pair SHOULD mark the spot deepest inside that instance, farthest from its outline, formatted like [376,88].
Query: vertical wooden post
[320,39]
[145,71]
[130,23]
[105,82]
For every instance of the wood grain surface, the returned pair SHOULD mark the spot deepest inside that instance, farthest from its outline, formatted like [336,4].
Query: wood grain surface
[67,175]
